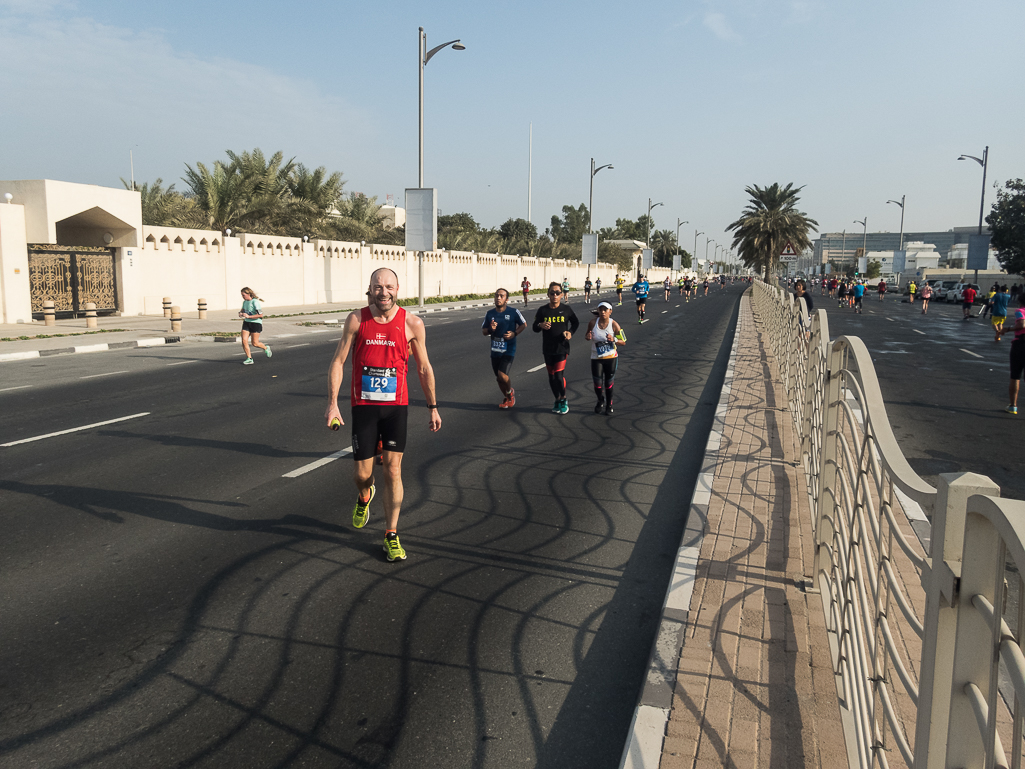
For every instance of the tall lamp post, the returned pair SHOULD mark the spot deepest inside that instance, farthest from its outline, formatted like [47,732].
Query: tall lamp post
[864,239]
[647,235]
[678,225]
[590,204]
[695,254]
[901,246]
[984,162]
[423,56]
[707,241]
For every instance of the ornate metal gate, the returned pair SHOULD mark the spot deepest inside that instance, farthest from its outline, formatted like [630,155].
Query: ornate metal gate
[71,276]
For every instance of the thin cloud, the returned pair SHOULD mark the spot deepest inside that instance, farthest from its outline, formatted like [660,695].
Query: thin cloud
[75,87]
[720,26]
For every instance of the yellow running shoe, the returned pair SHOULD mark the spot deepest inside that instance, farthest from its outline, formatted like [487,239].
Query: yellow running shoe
[392,549]
[361,512]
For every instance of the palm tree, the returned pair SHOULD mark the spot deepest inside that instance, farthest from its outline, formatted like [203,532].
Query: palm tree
[358,218]
[770,221]
[312,197]
[161,207]
[663,245]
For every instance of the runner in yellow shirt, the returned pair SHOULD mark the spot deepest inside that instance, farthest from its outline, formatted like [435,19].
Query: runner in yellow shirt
[619,288]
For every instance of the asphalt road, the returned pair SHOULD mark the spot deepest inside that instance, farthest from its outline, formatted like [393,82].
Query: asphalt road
[174,592]
[944,381]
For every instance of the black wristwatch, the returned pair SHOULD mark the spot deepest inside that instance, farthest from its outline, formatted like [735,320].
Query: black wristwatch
[432,406]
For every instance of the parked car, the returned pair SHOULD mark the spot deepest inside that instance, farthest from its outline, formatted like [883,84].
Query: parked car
[955,294]
[941,287]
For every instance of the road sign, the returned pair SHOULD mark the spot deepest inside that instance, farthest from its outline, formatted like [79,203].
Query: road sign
[789,250]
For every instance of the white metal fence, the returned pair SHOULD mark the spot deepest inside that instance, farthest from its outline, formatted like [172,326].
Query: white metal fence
[918,637]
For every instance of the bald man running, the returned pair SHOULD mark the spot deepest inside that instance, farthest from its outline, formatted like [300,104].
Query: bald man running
[380,337]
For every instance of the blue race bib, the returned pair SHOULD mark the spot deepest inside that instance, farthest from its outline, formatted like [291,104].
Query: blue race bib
[379,384]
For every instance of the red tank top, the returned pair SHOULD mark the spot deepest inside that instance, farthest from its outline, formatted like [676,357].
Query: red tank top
[379,361]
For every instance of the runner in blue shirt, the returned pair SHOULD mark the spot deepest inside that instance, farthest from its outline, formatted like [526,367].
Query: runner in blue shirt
[640,289]
[503,324]
[859,294]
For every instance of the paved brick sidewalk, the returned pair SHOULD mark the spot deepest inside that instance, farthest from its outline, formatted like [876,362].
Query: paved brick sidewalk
[755,686]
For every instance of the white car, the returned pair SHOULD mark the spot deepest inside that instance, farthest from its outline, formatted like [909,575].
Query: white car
[956,294]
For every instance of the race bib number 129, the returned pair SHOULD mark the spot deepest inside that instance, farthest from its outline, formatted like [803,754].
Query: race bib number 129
[379,384]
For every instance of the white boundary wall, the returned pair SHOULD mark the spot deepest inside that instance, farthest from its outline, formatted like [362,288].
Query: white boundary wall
[189,264]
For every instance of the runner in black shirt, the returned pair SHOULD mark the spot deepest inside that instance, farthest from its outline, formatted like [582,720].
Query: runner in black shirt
[557,323]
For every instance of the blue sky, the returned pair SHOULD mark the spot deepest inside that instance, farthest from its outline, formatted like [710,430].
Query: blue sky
[859,102]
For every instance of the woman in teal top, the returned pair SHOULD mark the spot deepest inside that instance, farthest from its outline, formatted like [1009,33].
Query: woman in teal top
[252,324]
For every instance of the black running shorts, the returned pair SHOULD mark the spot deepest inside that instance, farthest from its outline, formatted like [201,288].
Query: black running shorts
[1018,358]
[371,424]
[501,363]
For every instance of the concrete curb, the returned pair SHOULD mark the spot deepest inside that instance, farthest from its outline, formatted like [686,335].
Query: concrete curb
[207,338]
[643,749]
[26,354]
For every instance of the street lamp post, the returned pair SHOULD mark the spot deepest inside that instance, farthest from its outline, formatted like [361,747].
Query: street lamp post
[678,225]
[984,162]
[647,235]
[423,56]
[843,247]
[590,204]
[695,254]
[864,239]
[901,246]
[707,241]
[901,204]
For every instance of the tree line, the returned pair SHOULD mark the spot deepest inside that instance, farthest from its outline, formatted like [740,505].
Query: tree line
[249,192]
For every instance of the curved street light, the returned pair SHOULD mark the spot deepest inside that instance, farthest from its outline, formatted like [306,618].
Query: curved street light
[590,203]
[864,238]
[678,225]
[695,254]
[422,57]
[647,237]
[901,204]
[984,162]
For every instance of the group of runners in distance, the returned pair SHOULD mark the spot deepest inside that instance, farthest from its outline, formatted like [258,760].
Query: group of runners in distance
[381,337]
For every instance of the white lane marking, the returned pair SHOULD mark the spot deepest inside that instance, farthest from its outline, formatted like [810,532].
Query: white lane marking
[182,362]
[19,387]
[664,311]
[75,429]
[322,331]
[962,349]
[285,336]
[677,305]
[109,373]
[319,463]
[536,368]
[918,332]
[303,344]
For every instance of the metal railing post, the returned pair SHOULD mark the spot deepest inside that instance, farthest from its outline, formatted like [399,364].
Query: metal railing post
[942,583]
[826,503]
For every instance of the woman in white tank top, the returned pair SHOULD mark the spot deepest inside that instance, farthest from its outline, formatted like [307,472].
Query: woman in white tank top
[605,336]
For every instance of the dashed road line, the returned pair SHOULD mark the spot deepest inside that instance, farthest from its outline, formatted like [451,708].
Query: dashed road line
[303,344]
[891,320]
[109,373]
[319,463]
[182,362]
[75,429]
[962,349]
[664,311]
[19,387]
[536,368]
[918,332]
